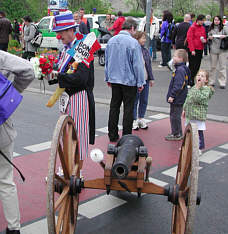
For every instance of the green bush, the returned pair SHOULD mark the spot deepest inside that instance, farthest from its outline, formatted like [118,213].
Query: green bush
[178,19]
[14,43]
[134,14]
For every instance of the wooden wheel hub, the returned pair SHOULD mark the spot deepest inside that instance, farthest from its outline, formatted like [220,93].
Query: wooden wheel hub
[76,185]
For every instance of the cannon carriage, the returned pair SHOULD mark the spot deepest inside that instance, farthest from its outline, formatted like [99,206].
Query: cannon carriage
[126,168]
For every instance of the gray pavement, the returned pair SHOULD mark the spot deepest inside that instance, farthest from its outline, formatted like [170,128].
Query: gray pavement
[218,108]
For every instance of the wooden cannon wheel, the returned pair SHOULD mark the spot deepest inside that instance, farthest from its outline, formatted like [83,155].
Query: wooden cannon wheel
[187,182]
[62,208]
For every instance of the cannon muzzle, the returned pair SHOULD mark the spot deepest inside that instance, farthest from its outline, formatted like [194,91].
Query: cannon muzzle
[126,152]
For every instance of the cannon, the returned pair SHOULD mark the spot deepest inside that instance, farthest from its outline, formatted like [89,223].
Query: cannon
[128,150]
[126,168]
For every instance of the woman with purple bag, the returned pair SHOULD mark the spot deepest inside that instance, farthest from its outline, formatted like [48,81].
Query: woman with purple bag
[22,72]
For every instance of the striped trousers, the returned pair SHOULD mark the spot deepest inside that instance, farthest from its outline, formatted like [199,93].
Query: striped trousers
[78,109]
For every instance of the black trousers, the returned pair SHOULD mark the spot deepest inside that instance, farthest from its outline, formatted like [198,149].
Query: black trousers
[166,53]
[194,65]
[175,119]
[201,139]
[4,46]
[125,94]
[28,55]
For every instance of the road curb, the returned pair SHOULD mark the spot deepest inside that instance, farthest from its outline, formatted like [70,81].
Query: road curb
[217,118]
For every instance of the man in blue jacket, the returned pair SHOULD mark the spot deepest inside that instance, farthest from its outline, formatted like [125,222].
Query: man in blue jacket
[124,73]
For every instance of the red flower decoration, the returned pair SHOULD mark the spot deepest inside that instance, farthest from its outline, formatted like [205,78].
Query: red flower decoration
[42,61]
[46,64]
[79,36]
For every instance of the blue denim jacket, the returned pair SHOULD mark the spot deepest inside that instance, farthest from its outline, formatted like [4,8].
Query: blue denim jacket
[124,61]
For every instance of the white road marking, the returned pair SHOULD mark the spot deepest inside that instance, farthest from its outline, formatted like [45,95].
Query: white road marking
[157,182]
[159,116]
[212,156]
[15,154]
[172,172]
[147,120]
[38,226]
[224,147]
[39,147]
[105,129]
[99,206]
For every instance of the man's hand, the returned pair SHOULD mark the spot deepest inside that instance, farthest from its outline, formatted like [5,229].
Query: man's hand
[170,99]
[140,89]
[109,84]
[151,82]
[183,114]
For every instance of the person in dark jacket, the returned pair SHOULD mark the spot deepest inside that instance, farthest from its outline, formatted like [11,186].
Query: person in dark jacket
[82,26]
[16,31]
[83,19]
[141,99]
[180,33]
[78,85]
[5,30]
[177,93]
[166,41]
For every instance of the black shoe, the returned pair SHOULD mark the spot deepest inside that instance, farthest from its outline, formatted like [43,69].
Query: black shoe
[12,231]
[171,137]
[222,87]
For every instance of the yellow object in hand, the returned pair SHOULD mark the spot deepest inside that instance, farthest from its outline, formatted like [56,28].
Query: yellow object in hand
[58,90]
[55,96]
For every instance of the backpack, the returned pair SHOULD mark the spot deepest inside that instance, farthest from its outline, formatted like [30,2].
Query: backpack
[38,38]
[170,31]
[10,98]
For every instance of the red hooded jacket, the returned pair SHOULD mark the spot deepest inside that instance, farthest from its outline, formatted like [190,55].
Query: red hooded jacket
[193,37]
[117,26]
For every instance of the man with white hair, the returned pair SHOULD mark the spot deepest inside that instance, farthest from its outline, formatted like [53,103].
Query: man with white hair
[180,33]
[207,25]
[179,37]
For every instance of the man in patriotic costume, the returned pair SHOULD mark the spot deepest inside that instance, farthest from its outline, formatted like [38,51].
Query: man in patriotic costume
[78,80]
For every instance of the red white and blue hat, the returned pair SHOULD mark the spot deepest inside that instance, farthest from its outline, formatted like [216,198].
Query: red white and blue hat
[63,21]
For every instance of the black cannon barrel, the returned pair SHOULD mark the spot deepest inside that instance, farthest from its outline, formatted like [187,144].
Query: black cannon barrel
[127,154]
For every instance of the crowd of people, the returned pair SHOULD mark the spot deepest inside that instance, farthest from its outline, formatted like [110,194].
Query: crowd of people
[128,72]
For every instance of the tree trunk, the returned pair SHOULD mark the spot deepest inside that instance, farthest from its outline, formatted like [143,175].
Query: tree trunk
[221,9]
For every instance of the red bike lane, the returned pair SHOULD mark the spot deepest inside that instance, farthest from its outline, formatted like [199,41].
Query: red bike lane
[32,193]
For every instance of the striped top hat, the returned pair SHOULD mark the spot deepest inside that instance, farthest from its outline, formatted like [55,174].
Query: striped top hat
[63,21]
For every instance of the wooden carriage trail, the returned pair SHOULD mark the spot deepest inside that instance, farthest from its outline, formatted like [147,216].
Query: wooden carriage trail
[165,155]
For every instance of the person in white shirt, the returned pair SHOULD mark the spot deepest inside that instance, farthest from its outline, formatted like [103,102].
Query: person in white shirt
[154,32]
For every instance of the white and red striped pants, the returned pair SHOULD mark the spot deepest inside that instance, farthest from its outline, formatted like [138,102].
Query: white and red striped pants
[78,109]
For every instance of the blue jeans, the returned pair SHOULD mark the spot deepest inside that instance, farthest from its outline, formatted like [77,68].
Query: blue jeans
[165,52]
[153,48]
[142,100]
[201,139]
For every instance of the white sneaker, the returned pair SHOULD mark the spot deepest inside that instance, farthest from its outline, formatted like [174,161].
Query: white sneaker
[135,125]
[142,124]
[200,152]
[170,65]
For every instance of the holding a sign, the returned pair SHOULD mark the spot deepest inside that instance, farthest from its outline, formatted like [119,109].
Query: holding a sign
[76,78]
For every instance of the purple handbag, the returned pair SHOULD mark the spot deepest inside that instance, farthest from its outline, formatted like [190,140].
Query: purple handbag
[10,98]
